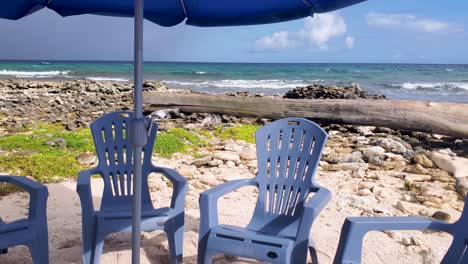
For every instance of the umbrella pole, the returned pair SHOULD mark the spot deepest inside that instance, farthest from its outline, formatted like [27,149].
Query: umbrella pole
[138,126]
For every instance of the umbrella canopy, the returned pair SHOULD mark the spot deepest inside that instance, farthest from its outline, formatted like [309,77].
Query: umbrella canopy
[172,12]
[169,13]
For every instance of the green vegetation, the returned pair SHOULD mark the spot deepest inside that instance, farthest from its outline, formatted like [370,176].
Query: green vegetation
[167,144]
[238,132]
[50,162]
[179,140]
[47,152]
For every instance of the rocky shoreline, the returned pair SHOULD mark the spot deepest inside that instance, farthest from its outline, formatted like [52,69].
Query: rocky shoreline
[370,170]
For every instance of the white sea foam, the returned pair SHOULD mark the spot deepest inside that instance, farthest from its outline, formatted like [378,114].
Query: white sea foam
[429,85]
[244,84]
[34,74]
[200,72]
[107,79]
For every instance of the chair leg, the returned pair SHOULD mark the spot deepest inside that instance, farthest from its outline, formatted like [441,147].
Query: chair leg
[88,244]
[313,254]
[204,256]
[39,247]
[175,237]
[39,251]
[98,246]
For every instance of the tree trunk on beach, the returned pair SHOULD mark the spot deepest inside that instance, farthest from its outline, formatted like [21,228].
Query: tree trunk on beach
[449,119]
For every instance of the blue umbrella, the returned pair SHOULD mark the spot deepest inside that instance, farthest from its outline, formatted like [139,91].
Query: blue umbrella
[204,13]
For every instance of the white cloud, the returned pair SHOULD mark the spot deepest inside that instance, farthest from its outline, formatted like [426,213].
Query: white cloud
[317,32]
[408,21]
[349,42]
[321,28]
[277,41]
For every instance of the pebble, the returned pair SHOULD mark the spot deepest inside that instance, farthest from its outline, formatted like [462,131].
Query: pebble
[364,192]
[248,154]
[423,160]
[440,215]
[86,159]
[227,156]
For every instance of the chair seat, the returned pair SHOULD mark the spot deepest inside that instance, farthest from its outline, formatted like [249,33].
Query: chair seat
[127,214]
[17,225]
[245,234]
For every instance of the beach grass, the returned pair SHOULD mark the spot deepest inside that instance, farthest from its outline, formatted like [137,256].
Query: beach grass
[32,155]
[32,152]
[244,132]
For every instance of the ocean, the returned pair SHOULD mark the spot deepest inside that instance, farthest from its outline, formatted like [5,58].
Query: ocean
[424,82]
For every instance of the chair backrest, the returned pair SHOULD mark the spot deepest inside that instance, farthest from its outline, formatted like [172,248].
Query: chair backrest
[288,152]
[115,157]
[458,251]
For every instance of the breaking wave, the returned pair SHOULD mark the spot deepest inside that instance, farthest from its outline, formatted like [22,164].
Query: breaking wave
[430,86]
[244,84]
[107,79]
[34,74]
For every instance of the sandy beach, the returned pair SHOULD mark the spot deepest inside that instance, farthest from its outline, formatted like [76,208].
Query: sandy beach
[370,171]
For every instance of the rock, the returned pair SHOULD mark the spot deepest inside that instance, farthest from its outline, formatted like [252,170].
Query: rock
[391,145]
[423,160]
[416,169]
[209,180]
[86,159]
[418,178]
[230,164]
[365,130]
[364,192]
[372,151]
[409,208]
[366,185]
[56,142]
[440,175]
[248,154]
[346,167]
[215,162]
[353,157]
[462,186]
[227,156]
[252,164]
[349,187]
[442,216]
[319,91]
[455,165]
[166,113]
[231,146]
[202,161]
[407,241]
[187,170]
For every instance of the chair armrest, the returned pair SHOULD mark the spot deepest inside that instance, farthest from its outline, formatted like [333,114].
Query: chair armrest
[311,210]
[83,188]
[209,198]
[37,195]
[180,186]
[355,228]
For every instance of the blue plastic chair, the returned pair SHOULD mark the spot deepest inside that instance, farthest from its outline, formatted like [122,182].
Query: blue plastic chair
[115,166]
[288,153]
[355,228]
[30,232]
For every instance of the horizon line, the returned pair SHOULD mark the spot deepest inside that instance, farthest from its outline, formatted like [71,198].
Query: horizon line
[226,62]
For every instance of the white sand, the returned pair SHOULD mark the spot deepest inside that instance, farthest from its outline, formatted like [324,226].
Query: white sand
[64,219]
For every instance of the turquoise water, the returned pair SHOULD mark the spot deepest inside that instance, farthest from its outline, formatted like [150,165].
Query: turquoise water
[397,81]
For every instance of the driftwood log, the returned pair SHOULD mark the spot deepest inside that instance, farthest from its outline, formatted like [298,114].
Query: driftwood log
[449,119]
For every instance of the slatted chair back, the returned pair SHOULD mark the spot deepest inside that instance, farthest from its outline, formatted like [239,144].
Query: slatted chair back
[288,153]
[458,251]
[115,157]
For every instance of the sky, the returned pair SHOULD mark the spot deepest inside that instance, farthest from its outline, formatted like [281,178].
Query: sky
[375,31]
